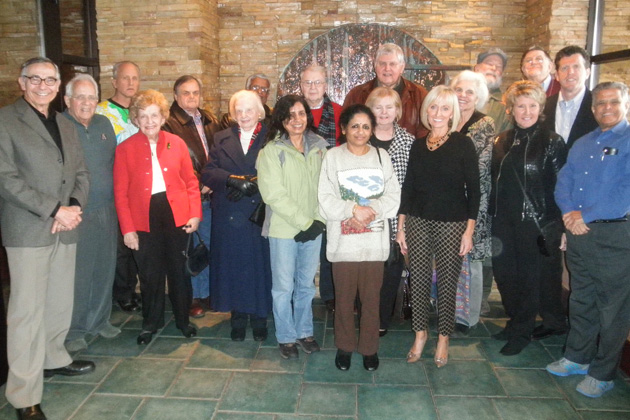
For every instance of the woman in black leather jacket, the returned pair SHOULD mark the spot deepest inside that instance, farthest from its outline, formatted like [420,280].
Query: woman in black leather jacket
[527,223]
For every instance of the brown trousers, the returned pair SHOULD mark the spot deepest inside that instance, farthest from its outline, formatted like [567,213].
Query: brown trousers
[366,278]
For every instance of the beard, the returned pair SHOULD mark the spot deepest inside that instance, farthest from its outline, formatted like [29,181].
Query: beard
[495,84]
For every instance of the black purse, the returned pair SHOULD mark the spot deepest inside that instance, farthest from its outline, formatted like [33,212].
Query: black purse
[258,215]
[197,257]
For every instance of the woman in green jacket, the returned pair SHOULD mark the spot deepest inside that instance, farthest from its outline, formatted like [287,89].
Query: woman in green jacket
[288,174]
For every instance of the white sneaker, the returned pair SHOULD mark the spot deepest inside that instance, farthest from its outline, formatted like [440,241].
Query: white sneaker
[565,367]
[593,388]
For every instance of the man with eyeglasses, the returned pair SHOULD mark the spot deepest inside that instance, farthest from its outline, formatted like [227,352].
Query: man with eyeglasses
[44,184]
[536,65]
[326,123]
[96,248]
[126,82]
[260,84]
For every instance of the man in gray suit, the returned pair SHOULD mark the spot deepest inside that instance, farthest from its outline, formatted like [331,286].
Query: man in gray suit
[43,184]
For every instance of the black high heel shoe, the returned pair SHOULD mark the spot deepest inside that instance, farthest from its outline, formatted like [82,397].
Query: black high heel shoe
[189,331]
[145,337]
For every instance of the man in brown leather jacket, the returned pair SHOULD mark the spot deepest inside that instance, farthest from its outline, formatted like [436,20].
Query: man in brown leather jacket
[389,65]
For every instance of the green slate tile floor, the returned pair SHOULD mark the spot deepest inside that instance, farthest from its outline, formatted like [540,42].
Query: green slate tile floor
[211,377]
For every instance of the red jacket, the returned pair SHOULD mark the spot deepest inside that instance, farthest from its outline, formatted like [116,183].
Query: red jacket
[133,177]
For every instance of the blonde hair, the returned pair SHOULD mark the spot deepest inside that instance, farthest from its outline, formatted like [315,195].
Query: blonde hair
[448,95]
[524,88]
[385,92]
[146,98]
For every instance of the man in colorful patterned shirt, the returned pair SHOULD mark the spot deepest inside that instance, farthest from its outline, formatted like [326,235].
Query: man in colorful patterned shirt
[126,82]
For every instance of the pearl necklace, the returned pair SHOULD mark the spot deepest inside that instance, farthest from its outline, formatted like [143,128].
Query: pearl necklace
[432,145]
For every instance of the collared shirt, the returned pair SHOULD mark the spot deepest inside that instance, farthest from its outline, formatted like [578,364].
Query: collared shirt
[199,125]
[566,111]
[546,83]
[596,177]
[50,123]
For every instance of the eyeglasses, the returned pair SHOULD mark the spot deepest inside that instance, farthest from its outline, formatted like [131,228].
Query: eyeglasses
[84,98]
[36,80]
[310,83]
[260,89]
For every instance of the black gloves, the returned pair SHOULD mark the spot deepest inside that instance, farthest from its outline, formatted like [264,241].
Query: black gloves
[240,186]
[314,230]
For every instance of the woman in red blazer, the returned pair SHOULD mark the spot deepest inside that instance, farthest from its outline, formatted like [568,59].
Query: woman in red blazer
[158,204]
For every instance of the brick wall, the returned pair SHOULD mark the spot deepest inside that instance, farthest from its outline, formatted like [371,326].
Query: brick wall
[265,35]
[19,40]
[166,38]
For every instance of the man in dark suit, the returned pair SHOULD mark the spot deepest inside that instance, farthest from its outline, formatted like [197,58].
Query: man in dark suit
[568,112]
[43,184]
[196,127]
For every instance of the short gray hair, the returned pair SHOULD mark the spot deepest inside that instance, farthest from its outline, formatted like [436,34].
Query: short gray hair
[317,68]
[248,83]
[81,77]
[621,87]
[38,60]
[481,88]
[249,96]
[390,48]
[117,66]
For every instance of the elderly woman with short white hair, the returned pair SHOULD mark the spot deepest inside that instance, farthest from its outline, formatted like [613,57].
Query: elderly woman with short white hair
[472,94]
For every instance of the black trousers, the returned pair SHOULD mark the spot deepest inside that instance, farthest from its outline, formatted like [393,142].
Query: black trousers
[160,258]
[529,282]
[599,305]
[389,290]
[126,276]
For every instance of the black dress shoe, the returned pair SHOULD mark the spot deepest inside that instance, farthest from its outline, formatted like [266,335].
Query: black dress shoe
[144,338]
[501,335]
[128,305]
[78,367]
[541,332]
[343,359]
[514,347]
[260,334]
[370,363]
[330,305]
[382,332]
[189,331]
[31,413]
[238,334]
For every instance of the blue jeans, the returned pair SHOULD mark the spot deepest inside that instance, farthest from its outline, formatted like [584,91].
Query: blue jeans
[293,269]
[201,282]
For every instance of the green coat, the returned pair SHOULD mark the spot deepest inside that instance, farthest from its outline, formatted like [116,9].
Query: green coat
[287,180]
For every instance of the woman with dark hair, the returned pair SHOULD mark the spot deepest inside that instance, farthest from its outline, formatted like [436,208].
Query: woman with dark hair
[527,223]
[158,204]
[438,209]
[243,289]
[288,174]
[358,192]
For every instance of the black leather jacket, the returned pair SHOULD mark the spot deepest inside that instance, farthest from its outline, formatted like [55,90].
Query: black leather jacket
[534,155]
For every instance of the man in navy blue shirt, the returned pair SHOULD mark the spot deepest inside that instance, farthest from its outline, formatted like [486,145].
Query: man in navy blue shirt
[593,193]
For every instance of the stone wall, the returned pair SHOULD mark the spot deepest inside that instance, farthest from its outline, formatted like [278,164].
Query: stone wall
[264,36]
[19,41]
[166,38]
[616,36]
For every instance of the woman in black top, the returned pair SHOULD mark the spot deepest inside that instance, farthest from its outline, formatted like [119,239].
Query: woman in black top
[439,205]
[528,270]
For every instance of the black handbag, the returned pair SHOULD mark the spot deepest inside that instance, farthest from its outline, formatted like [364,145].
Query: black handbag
[197,257]
[258,215]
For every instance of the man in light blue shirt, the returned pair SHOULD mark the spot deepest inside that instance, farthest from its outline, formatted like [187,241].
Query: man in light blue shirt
[593,193]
